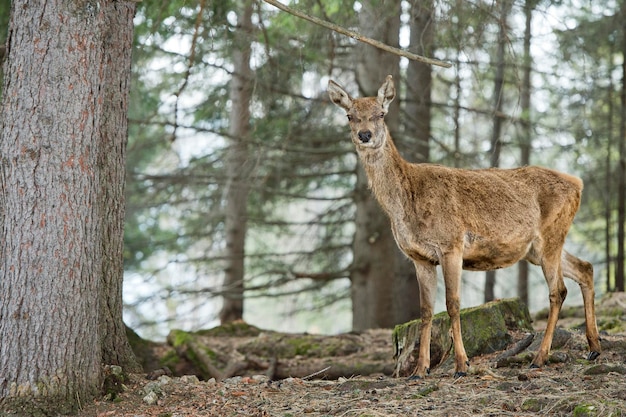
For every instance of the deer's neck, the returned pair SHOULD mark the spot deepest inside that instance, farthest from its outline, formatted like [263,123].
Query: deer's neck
[386,172]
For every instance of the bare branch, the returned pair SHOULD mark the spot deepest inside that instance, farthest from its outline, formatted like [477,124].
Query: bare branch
[357,36]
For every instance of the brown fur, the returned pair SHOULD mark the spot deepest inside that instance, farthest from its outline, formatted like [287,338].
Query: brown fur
[469,219]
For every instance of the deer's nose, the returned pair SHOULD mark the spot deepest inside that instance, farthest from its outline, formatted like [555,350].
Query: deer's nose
[365,136]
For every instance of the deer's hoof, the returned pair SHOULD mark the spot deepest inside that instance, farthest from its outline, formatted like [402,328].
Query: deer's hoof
[593,355]
[459,375]
[414,378]
[533,366]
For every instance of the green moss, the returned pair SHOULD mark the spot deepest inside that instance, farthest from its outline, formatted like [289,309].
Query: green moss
[611,325]
[210,353]
[426,391]
[236,329]
[532,404]
[584,410]
[170,359]
[177,338]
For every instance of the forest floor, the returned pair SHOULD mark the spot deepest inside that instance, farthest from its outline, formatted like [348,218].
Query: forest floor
[571,386]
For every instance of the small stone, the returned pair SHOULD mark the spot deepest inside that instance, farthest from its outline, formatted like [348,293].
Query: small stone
[260,378]
[151,398]
[233,380]
[189,379]
[153,386]
[164,380]
[605,369]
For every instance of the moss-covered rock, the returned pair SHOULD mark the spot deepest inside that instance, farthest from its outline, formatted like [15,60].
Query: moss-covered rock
[485,329]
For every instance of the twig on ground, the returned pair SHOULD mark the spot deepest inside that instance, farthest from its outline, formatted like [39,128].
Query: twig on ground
[304,378]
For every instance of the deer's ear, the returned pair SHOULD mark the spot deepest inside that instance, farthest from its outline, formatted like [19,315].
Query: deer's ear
[339,96]
[386,93]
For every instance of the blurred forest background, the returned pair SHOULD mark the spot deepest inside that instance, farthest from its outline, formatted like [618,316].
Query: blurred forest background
[244,196]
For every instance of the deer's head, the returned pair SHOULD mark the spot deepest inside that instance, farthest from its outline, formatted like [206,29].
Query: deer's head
[365,115]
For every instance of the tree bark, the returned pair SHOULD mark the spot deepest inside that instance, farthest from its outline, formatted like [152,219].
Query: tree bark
[54,169]
[238,169]
[117,61]
[525,134]
[375,251]
[496,143]
[620,261]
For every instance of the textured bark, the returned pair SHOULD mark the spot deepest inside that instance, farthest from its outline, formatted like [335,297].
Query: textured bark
[375,251]
[53,168]
[525,138]
[238,168]
[117,60]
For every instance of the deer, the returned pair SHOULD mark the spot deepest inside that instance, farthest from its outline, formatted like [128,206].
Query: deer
[469,219]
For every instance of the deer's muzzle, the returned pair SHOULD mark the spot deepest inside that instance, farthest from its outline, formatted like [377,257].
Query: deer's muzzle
[365,136]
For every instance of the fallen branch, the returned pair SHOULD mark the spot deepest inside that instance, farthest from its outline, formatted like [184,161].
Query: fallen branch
[357,36]
[503,359]
[316,373]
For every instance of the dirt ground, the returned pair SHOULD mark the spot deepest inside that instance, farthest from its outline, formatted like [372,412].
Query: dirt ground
[571,386]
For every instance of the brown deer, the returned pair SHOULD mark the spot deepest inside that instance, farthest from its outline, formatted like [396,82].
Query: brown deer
[476,220]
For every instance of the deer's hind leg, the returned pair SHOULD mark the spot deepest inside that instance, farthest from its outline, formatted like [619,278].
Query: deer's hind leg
[427,280]
[582,272]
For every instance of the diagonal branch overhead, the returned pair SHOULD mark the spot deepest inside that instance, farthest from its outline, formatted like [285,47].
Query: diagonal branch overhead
[357,36]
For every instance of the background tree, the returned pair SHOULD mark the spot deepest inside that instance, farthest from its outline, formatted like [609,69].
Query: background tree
[375,254]
[58,191]
[239,165]
[621,196]
[498,105]
[525,132]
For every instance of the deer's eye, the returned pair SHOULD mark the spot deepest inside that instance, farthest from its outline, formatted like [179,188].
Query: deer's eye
[350,118]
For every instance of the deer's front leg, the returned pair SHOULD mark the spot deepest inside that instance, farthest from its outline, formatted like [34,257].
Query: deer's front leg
[452,265]
[427,280]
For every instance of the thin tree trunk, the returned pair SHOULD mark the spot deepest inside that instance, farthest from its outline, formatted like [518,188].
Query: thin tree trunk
[496,144]
[118,41]
[525,134]
[52,172]
[608,184]
[238,168]
[375,251]
[621,195]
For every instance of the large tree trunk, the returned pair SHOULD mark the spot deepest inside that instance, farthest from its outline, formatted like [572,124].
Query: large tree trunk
[238,169]
[375,251]
[54,168]
[117,59]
